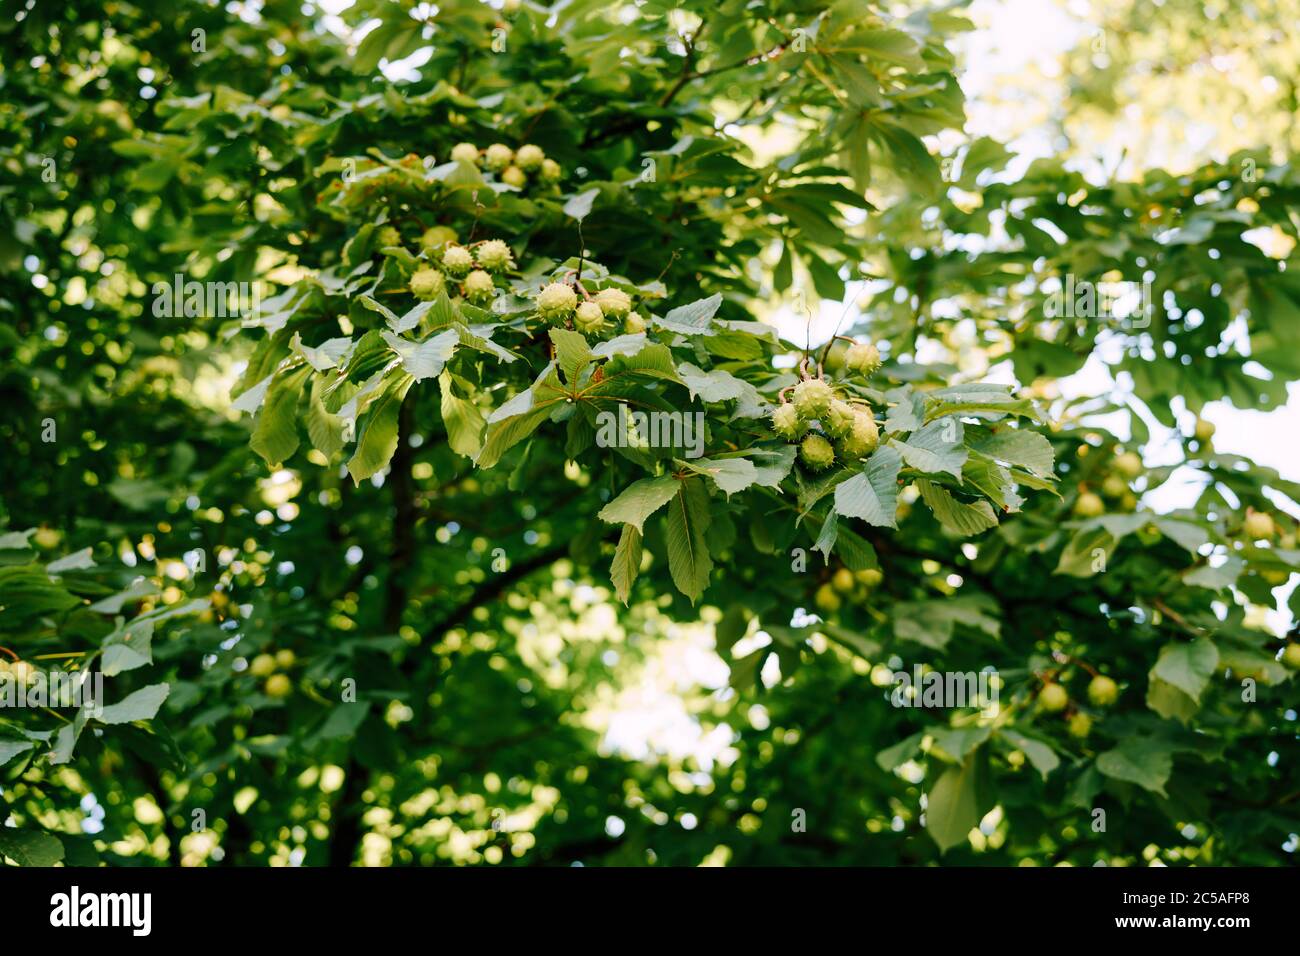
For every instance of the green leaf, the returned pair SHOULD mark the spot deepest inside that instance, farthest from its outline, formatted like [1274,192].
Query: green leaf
[1183,533]
[275,434]
[629,344]
[138,494]
[344,720]
[377,439]
[909,154]
[1140,760]
[773,465]
[9,749]
[993,399]
[30,847]
[825,542]
[1016,446]
[324,430]
[729,474]
[715,386]
[77,561]
[1041,755]
[1085,788]
[746,670]
[1216,578]
[518,418]
[906,410]
[891,758]
[652,359]
[857,553]
[579,207]
[872,494]
[15,540]
[135,591]
[856,153]
[954,743]
[639,501]
[992,481]
[572,353]
[65,741]
[959,517]
[389,315]
[931,622]
[1169,702]
[693,319]
[888,46]
[127,648]
[462,418]
[953,807]
[1187,665]
[142,705]
[688,553]
[503,435]
[425,359]
[1086,554]
[938,447]
[627,562]
[855,641]
[395,38]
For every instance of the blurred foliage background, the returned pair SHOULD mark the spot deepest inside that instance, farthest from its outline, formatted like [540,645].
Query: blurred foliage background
[508,709]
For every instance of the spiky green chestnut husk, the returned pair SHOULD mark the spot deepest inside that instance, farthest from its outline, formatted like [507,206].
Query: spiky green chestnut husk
[816,452]
[387,236]
[862,357]
[634,323]
[785,421]
[529,157]
[812,397]
[457,260]
[494,256]
[556,301]
[614,302]
[498,156]
[839,418]
[589,317]
[551,171]
[862,438]
[514,176]
[465,153]
[478,286]
[435,237]
[427,284]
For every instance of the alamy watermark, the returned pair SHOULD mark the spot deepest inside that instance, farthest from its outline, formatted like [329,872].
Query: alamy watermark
[624,429]
[133,911]
[80,689]
[946,689]
[182,298]
[1116,301]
